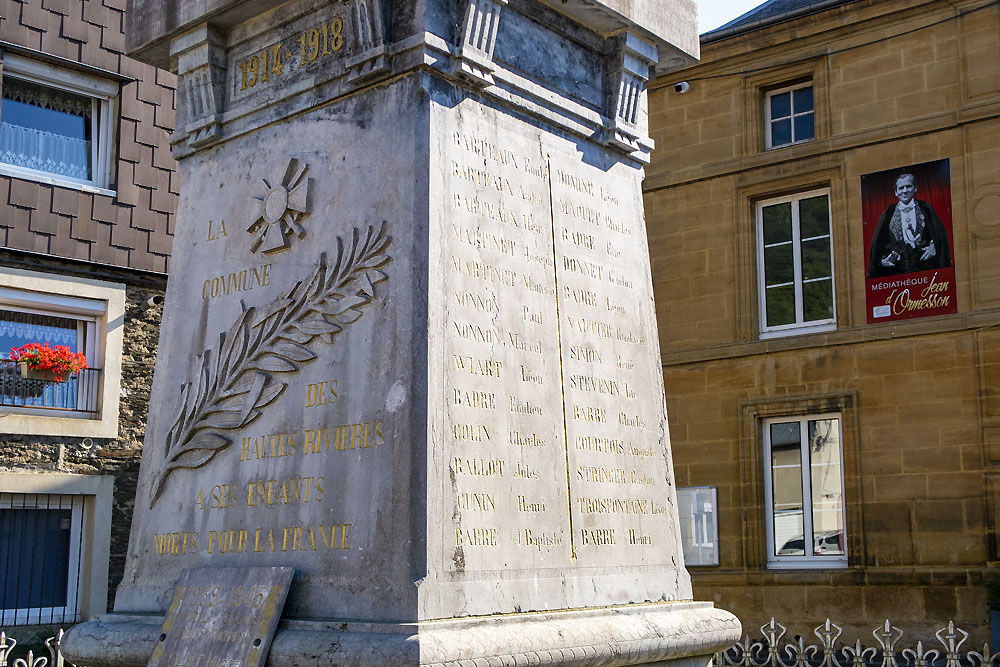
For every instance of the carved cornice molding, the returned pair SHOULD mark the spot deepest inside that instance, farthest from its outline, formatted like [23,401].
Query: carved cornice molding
[479,37]
[201,81]
[372,61]
[628,73]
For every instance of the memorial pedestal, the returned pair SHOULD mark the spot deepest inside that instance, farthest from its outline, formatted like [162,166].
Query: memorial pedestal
[681,634]
[409,345]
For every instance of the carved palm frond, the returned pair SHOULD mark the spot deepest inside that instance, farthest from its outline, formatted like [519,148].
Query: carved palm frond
[238,378]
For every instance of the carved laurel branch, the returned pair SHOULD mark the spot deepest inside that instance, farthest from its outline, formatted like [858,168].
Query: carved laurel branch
[237,381]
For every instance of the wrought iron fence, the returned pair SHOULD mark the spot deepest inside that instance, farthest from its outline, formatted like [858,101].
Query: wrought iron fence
[769,651]
[79,393]
[52,644]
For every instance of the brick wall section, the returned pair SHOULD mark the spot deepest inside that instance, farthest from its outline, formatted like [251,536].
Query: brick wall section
[135,228]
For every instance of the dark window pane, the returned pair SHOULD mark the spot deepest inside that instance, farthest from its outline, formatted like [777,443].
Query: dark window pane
[777,223]
[781,132]
[814,216]
[778,265]
[781,105]
[780,305]
[804,130]
[34,560]
[816,258]
[803,99]
[817,300]
[786,489]
[784,434]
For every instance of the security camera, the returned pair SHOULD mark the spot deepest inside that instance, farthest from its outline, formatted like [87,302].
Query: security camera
[682,87]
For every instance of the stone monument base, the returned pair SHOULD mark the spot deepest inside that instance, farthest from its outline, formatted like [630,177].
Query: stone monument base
[681,634]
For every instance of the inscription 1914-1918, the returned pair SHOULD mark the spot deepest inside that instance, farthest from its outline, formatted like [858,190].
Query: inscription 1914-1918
[315,44]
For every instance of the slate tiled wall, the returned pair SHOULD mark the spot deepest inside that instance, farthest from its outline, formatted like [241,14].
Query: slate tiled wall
[133,229]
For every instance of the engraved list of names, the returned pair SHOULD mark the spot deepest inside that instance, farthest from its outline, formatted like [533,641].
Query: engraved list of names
[553,412]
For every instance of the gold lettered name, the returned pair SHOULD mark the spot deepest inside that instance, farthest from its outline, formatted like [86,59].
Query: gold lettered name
[317,537]
[236,282]
[268,446]
[931,297]
[356,436]
[359,436]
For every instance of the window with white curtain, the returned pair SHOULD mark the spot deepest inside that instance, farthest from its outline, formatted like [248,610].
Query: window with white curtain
[56,125]
[82,314]
[27,318]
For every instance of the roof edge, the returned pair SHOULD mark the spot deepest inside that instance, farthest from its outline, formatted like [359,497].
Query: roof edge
[740,28]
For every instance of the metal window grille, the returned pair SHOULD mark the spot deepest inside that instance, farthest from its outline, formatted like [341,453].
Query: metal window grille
[41,555]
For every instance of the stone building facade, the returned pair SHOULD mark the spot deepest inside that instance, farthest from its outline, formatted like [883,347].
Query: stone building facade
[88,193]
[840,441]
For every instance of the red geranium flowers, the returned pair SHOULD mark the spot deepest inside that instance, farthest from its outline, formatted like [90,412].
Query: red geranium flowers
[58,360]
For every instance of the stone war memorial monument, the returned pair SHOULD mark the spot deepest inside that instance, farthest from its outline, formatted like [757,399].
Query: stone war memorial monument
[409,347]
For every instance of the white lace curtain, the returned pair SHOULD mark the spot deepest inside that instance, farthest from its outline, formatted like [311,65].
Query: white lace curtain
[44,151]
[18,329]
[38,148]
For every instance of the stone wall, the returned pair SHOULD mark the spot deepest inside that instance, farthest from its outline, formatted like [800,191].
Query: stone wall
[895,83]
[122,234]
[119,456]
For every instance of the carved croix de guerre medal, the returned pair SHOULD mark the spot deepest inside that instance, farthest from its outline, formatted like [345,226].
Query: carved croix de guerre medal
[276,212]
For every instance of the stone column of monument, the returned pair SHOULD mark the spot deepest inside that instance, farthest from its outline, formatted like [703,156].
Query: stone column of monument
[409,345]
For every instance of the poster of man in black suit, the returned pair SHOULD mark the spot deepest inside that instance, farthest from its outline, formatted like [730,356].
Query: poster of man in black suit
[909,236]
[909,251]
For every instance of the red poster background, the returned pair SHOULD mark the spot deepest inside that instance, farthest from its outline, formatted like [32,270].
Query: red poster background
[906,294]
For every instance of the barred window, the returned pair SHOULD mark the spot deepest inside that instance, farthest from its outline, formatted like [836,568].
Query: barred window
[40,557]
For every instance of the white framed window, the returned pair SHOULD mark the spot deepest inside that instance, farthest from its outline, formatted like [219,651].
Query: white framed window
[696,507]
[804,492]
[72,322]
[795,264]
[790,115]
[55,529]
[56,126]
[82,314]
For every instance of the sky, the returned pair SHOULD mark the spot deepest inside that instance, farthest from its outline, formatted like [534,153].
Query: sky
[713,13]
